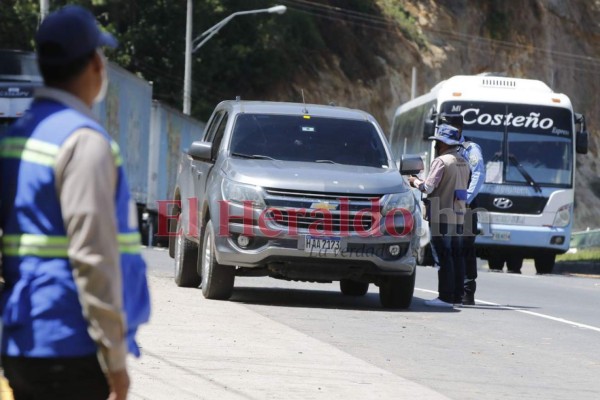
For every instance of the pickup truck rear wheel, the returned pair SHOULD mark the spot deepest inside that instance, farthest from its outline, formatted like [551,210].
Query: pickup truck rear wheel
[353,288]
[217,279]
[186,256]
[397,292]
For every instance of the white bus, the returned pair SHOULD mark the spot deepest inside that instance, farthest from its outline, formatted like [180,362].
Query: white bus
[529,136]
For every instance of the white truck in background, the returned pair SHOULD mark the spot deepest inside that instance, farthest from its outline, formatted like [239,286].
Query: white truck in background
[151,136]
[171,134]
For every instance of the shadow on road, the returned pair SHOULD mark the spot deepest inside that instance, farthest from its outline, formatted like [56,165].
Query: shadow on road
[326,299]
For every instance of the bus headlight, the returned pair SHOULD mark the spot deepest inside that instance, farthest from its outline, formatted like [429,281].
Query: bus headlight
[563,216]
[239,193]
[404,200]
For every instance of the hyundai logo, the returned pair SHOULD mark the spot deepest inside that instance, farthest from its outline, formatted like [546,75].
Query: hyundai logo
[502,202]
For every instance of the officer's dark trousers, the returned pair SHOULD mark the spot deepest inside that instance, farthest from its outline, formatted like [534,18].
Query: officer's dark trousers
[470,255]
[447,251]
[56,378]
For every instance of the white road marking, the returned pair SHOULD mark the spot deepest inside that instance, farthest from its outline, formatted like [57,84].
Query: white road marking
[535,314]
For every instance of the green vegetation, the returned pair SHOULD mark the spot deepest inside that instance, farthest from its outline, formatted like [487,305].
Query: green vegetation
[251,56]
[406,22]
[592,254]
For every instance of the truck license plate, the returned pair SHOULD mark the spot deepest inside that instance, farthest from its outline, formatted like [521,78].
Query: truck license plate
[321,245]
[502,236]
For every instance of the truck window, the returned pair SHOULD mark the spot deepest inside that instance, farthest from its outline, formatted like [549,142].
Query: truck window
[212,127]
[309,139]
[218,137]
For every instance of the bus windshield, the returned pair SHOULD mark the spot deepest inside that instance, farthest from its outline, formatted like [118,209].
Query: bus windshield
[18,66]
[521,144]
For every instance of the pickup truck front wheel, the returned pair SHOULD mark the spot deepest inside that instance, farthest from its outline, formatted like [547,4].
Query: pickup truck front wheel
[186,255]
[217,279]
[397,292]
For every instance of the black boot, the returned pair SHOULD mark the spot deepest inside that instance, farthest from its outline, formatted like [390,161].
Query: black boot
[468,299]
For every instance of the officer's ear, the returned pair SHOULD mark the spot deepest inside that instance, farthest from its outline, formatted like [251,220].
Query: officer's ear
[97,63]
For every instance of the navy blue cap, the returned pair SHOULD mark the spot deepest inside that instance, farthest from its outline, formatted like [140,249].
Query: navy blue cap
[69,34]
[456,120]
[447,134]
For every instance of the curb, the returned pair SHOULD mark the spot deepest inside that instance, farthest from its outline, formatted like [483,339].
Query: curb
[577,267]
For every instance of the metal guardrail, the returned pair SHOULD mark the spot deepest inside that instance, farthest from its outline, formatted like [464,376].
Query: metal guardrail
[585,239]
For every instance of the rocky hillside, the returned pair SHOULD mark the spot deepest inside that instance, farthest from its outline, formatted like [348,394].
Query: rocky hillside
[371,57]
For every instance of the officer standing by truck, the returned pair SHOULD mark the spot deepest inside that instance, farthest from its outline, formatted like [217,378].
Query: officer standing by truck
[446,189]
[471,152]
[76,287]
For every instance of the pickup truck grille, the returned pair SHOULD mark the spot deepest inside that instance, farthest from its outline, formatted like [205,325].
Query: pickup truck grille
[323,212]
[319,223]
[321,196]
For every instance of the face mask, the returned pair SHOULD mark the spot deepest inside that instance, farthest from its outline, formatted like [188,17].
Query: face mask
[104,86]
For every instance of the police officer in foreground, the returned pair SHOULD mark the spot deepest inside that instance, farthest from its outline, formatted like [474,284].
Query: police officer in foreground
[446,189]
[471,152]
[76,287]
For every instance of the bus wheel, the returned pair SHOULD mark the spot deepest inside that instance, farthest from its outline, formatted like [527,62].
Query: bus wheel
[544,263]
[496,263]
[514,264]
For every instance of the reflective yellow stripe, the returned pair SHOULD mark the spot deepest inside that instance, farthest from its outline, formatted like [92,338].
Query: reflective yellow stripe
[35,245]
[116,153]
[57,246]
[27,149]
[129,243]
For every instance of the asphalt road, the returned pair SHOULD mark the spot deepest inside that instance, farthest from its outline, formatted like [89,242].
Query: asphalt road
[529,337]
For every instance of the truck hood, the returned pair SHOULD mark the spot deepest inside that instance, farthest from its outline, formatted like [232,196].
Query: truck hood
[314,177]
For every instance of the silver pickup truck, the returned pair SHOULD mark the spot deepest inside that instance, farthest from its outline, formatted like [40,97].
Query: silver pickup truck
[297,192]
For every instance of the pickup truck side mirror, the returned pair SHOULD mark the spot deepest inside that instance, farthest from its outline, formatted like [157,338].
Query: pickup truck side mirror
[411,164]
[201,151]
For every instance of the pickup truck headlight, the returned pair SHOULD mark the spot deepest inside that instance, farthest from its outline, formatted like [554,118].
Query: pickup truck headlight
[404,200]
[238,193]
[563,216]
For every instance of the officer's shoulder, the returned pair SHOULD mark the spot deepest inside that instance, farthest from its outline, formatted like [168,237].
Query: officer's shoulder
[471,145]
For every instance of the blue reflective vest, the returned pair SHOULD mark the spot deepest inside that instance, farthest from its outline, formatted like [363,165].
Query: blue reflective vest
[41,312]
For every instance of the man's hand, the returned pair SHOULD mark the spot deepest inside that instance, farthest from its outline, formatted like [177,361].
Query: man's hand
[119,385]
[411,180]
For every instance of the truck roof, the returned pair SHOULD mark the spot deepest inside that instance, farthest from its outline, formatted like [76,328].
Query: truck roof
[284,108]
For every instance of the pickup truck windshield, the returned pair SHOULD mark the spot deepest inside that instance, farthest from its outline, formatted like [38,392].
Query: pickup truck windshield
[308,139]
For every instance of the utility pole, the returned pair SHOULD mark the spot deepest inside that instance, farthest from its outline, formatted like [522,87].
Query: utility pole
[191,46]
[187,76]
[413,86]
[44,9]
